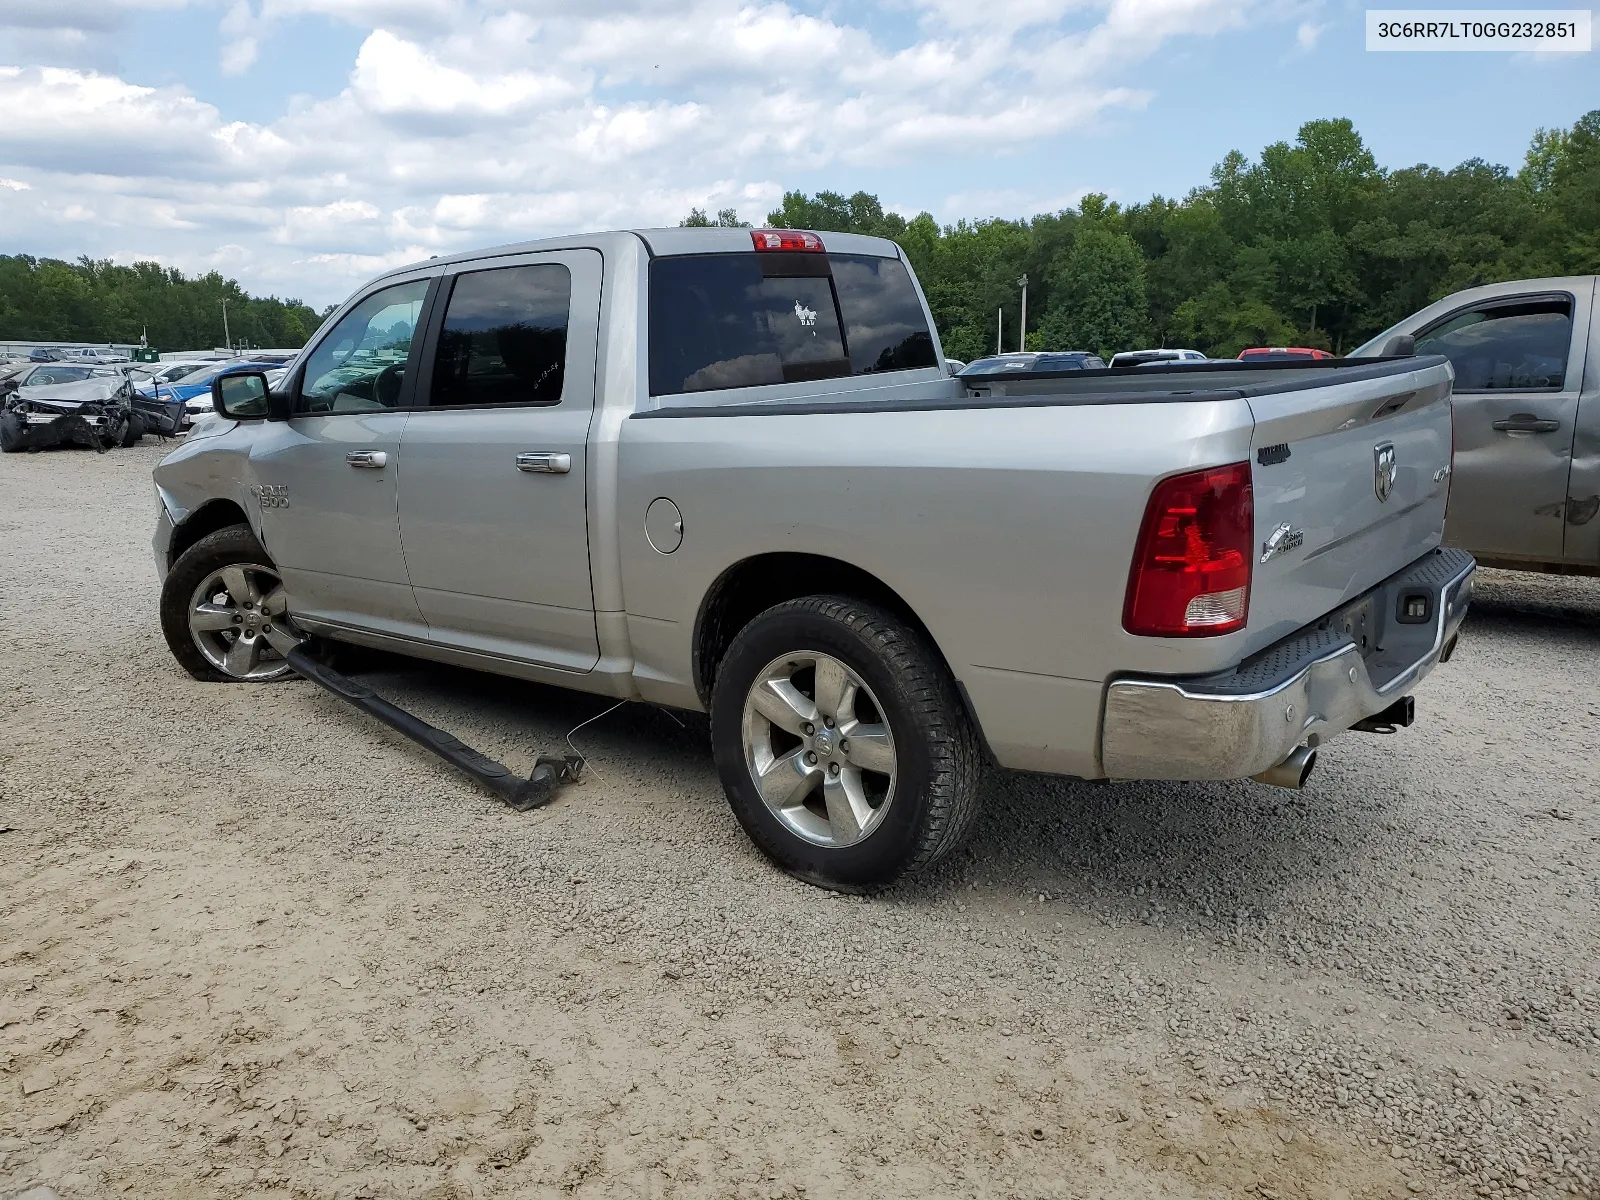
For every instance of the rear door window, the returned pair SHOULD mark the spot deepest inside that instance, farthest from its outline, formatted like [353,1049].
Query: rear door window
[504,339]
[1515,346]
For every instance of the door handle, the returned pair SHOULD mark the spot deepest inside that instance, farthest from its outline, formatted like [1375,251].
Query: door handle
[367,458]
[544,462]
[1526,423]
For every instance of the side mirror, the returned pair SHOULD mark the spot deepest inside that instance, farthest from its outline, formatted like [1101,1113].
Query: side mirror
[241,397]
[1401,345]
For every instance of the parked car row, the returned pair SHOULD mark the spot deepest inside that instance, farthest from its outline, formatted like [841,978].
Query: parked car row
[74,354]
[57,402]
[1085,360]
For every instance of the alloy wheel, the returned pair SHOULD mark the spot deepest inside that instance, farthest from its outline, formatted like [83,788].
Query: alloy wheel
[238,618]
[818,749]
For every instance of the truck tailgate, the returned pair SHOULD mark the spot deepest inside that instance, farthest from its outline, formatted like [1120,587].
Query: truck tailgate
[1350,485]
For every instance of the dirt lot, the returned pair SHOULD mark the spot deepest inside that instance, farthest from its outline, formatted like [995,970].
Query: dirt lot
[251,944]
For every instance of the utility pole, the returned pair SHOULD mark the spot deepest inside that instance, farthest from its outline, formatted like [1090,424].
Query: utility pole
[999,330]
[1022,340]
[227,341]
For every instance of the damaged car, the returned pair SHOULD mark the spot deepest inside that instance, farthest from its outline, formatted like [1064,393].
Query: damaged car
[50,374]
[98,412]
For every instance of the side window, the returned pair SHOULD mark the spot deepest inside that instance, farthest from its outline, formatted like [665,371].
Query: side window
[1517,346]
[720,321]
[361,364]
[883,319]
[504,339]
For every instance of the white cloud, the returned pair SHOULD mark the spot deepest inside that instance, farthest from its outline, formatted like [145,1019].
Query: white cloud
[394,77]
[1307,36]
[83,33]
[240,49]
[471,122]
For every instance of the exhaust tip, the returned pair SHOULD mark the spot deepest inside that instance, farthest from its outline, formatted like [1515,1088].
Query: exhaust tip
[1293,771]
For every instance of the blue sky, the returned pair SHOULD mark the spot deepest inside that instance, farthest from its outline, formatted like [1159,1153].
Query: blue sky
[302,145]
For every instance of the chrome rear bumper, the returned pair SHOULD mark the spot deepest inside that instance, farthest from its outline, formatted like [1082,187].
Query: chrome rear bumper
[1302,690]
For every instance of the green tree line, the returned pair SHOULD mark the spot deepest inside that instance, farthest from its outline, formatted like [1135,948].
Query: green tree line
[1311,244]
[45,299]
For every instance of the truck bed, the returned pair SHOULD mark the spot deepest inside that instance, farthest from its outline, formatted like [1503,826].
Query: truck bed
[1007,518]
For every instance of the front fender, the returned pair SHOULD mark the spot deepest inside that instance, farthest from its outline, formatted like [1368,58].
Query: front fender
[203,471]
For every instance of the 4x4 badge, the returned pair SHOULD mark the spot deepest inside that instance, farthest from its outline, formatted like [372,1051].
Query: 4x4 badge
[1384,470]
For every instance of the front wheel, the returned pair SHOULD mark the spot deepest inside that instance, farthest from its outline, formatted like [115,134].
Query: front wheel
[134,431]
[11,433]
[842,744]
[224,613]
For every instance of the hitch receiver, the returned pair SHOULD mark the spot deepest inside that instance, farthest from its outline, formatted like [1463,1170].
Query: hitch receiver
[549,770]
[1397,716]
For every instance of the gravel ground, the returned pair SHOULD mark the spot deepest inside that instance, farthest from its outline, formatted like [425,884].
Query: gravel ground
[253,944]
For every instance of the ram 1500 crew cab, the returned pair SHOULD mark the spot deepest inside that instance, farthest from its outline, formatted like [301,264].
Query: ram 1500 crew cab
[727,470]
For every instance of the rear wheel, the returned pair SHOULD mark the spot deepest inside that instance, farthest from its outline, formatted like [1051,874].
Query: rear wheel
[842,744]
[224,613]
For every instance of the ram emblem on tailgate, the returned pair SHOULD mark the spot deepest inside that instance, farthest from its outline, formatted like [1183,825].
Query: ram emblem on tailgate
[1384,470]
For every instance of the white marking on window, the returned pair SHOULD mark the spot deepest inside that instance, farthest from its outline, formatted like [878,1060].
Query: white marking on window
[808,316]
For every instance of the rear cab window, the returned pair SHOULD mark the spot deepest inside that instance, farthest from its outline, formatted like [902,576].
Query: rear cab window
[720,321]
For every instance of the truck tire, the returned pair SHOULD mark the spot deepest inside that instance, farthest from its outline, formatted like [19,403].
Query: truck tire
[222,618]
[849,815]
[134,431]
[11,433]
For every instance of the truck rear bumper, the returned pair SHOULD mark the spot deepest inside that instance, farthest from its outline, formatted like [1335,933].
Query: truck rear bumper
[1302,690]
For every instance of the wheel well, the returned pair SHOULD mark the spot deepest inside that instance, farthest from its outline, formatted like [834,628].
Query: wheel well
[208,518]
[749,588]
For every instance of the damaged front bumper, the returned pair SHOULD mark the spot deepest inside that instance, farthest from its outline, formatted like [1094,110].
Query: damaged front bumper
[40,430]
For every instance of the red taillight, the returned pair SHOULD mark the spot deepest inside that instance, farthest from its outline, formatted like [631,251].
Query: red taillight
[1191,568]
[785,239]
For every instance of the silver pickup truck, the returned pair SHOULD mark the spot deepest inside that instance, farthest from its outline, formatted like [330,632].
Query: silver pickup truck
[728,470]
